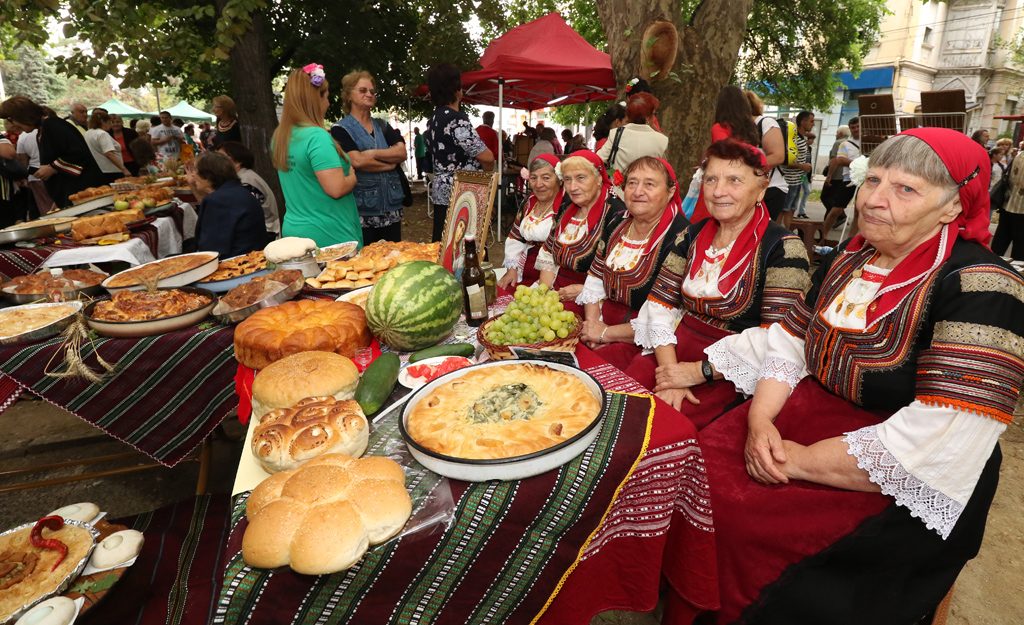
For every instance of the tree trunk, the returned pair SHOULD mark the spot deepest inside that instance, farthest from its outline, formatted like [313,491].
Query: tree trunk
[708,49]
[254,99]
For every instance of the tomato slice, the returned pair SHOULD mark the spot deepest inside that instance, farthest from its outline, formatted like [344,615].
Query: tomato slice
[432,372]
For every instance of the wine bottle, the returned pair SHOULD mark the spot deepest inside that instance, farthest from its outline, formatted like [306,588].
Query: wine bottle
[474,286]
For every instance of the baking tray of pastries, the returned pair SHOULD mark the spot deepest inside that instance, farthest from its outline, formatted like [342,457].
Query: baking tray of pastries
[171,271]
[228,310]
[42,582]
[31,288]
[84,207]
[568,404]
[36,322]
[135,314]
[235,271]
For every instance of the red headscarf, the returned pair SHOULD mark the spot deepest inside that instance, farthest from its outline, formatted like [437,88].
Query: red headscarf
[971,168]
[552,160]
[594,216]
[744,247]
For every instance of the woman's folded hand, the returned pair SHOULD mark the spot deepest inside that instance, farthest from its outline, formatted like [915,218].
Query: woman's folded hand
[676,397]
[764,453]
[680,375]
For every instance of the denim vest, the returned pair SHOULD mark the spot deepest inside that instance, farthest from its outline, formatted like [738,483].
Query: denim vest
[376,193]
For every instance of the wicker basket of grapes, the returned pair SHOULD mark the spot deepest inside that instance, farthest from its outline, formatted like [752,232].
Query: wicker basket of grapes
[535,319]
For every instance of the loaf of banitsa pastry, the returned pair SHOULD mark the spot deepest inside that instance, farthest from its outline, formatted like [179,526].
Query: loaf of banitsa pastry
[301,326]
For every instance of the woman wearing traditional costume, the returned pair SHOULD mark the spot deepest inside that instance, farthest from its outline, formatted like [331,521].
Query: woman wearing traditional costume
[572,243]
[629,256]
[856,483]
[533,224]
[733,271]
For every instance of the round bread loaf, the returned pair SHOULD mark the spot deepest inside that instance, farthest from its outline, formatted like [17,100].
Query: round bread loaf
[286,438]
[308,374]
[300,326]
[321,518]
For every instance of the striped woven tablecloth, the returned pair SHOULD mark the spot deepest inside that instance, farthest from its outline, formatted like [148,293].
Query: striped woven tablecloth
[167,394]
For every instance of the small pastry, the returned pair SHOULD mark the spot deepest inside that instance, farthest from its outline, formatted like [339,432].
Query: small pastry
[84,512]
[117,548]
[53,611]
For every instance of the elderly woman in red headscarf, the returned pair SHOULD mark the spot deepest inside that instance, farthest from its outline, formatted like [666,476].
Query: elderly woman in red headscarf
[629,256]
[732,271]
[856,483]
[587,206]
[533,223]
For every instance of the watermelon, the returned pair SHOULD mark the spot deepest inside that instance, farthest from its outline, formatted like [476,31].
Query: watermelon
[414,305]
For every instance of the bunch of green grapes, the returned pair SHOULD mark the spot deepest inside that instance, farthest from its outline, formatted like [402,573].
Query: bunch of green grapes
[535,315]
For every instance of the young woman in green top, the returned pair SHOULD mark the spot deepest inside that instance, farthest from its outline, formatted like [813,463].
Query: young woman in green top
[316,176]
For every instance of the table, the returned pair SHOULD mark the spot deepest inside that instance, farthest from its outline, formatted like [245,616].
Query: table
[604,548]
[167,395]
[162,238]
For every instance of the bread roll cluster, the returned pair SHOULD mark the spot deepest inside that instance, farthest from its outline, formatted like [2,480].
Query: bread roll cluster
[98,226]
[321,518]
[287,437]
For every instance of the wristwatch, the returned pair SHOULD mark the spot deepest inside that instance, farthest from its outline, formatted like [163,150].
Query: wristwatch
[708,371]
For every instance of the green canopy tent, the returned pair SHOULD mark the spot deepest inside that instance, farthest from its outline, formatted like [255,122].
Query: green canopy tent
[184,110]
[117,107]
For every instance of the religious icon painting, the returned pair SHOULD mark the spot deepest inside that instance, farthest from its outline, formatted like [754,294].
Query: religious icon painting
[469,210]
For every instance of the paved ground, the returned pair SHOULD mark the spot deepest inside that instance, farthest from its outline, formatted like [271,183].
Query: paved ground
[35,432]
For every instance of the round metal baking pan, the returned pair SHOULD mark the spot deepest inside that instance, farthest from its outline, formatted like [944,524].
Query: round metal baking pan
[241,314]
[49,330]
[517,467]
[64,583]
[179,279]
[151,327]
[29,298]
[27,234]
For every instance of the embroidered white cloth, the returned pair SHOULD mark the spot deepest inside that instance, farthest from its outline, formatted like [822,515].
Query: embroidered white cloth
[705,282]
[534,230]
[849,309]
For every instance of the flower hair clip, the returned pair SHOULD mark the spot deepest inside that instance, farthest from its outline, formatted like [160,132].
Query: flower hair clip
[524,173]
[558,170]
[316,74]
[859,170]
[631,84]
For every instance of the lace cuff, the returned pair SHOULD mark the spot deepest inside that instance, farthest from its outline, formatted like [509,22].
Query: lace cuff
[593,292]
[782,370]
[938,511]
[651,335]
[545,262]
[737,369]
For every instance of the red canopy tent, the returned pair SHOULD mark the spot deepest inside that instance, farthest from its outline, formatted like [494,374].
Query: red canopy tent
[538,64]
[542,63]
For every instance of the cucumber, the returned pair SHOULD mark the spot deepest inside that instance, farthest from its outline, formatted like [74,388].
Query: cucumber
[377,383]
[455,349]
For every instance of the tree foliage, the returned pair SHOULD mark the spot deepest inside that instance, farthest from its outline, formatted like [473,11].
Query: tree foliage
[29,73]
[791,48]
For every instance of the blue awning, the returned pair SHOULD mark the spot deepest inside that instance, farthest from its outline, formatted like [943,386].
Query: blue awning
[877,78]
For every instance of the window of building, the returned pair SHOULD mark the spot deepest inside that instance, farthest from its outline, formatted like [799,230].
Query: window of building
[927,36]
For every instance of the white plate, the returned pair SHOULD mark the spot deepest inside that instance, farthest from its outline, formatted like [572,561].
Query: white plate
[355,293]
[223,286]
[178,279]
[515,468]
[409,381]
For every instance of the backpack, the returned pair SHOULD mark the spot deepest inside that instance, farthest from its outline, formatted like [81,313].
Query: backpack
[997,196]
[788,139]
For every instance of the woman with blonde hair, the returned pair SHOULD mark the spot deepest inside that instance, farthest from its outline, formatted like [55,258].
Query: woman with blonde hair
[316,176]
[377,151]
[227,122]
